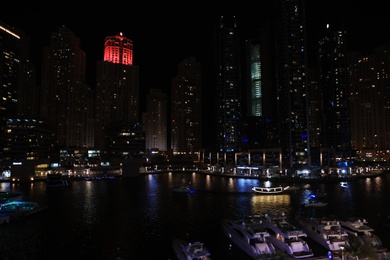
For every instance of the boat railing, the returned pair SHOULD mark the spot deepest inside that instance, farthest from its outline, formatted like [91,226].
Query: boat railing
[296,233]
[334,238]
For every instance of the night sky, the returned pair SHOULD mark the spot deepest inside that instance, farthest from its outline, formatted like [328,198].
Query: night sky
[166,32]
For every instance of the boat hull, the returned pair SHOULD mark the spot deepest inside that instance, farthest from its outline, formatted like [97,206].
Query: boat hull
[314,231]
[286,237]
[270,190]
[177,248]
[297,249]
[359,228]
[9,196]
[255,250]
[54,180]
[190,251]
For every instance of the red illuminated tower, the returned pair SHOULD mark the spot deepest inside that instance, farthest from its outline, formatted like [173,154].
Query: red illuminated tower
[117,87]
[118,49]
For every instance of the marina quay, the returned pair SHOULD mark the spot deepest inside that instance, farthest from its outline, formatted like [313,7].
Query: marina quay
[132,168]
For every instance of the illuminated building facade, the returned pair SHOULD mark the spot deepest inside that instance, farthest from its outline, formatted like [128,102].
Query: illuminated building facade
[186,108]
[260,117]
[291,84]
[19,94]
[10,66]
[334,89]
[370,102]
[10,42]
[117,87]
[155,120]
[256,90]
[30,139]
[64,93]
[124,140]
[118,49]
[229,103]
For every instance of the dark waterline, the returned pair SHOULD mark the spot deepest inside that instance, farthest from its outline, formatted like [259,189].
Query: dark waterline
[141,216]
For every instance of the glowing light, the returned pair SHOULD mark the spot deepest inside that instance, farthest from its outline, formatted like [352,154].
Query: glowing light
[8,31]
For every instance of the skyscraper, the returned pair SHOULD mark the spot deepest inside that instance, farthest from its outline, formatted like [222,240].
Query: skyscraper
[229,92]
[186,108]
[256,90]
[155,119]
[18,95]
[369,101]
[260,89]
[291,83]
[11,42]
[335,127]
[64,93]
[117,88]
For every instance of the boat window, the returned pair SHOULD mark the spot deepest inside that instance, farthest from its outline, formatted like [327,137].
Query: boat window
[334,228]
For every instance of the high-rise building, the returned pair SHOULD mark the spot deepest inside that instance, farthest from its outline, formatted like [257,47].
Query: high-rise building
[10,64]
[19,93]
[320,156]
[64,93]
[260,89]
[256,93]
[291,83]
[30,139]
[186,108]
[154,120]
[370,101]
[124,140]
[334,90]
[315,109]
[117,88]
[229,92]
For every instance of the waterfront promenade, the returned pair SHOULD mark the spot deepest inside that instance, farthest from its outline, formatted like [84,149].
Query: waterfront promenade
[279,177]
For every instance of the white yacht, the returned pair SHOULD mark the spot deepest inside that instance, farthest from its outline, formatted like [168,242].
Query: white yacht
[190,251]
[359,228]
[326,232]
[250,235]
[270,190]
[287,237]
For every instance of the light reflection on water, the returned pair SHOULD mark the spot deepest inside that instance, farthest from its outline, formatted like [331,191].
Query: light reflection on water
[91,219]
[279,203]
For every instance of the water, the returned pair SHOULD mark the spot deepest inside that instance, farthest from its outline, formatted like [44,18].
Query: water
[141,215]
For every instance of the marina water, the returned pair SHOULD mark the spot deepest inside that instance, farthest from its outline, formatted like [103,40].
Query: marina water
[138,217]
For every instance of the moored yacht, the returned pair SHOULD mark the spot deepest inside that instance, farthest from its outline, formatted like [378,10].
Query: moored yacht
[9,196]
[359,228]
[250,235]
[190,251]
[326,232]
[286,237]
[56,180]
[17,210]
